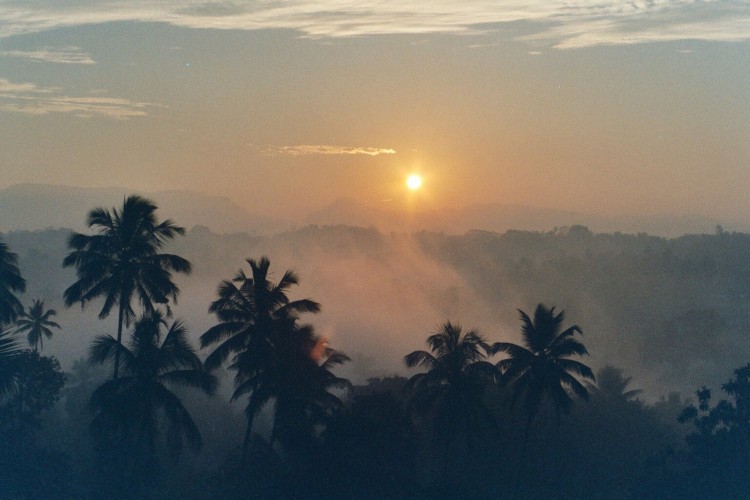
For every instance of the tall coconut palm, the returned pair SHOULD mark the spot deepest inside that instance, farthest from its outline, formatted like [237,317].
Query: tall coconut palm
[11,283]
[541,368]
[453,385]
[121,262]
[139,404]
[36,321]
[254,314]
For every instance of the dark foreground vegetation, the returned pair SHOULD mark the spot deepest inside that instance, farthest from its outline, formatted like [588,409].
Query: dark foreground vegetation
[144,416]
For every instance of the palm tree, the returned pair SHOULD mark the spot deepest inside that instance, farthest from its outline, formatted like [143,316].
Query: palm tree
[254,315]
[138,404]
[541,368]
[11,283]
[37,322]
[122,262]
[612,386]
[453,385]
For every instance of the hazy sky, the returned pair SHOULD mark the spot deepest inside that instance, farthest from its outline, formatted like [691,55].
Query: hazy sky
[594,106]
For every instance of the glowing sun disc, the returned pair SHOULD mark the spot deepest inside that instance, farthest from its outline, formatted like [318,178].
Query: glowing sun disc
[414,182]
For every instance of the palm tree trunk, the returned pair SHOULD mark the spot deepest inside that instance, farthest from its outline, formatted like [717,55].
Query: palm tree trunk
[273,431]
[246,441]
[520,474]
[20,404]
[527,430]
[119,339]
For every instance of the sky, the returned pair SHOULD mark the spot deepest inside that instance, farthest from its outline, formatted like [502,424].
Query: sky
[592,106]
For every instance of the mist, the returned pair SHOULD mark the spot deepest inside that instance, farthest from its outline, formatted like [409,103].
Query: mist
[672,311]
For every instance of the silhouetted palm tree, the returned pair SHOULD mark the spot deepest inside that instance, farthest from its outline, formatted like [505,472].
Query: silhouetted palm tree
[138,405]
[612,385]
[37,322]
[542,369]
[453,385]
[254,315]
[11,283]
[122,261]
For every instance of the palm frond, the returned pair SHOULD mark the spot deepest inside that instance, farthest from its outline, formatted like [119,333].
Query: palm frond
[104,348]
[299,306]
[222,331]
[573,383]
[511,369]
[527,329]
[196,379]
[420,358]
[101,218]
[9,349]
[482,371]
[290,278]
[577,368]
[173,263]
[180,422]
[233,345]
[335,358]
[515,351]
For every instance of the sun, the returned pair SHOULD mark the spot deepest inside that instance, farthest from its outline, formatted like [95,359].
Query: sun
[414,182]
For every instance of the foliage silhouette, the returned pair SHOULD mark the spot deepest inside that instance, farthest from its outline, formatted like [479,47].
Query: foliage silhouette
[37,381]
[304,379]
[370,447]
[541,369]
[36,321]
[9,349]
[29,466]
[719,448]
[135,407]
[121,261]
[255,318]
[11,283]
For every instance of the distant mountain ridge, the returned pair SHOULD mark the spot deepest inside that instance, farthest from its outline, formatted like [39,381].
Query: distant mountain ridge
[41,206]
[500,218]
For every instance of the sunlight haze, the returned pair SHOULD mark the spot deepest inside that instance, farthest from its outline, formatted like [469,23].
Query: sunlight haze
[636,110]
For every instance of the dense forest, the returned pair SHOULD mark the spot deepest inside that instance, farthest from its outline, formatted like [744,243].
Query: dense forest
[483,365]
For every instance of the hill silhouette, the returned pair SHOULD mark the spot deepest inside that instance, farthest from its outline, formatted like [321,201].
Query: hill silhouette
[42,206]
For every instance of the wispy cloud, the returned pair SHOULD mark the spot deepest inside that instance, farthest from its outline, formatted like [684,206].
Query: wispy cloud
[28,98]
[665,21]
[325,149]
[564,24]
[9,88]
[61,55]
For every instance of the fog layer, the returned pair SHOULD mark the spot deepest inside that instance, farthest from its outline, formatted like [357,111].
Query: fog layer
[674,312]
